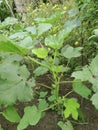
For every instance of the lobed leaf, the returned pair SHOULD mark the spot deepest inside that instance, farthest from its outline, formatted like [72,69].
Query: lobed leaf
[31,117]
[65,126]
[11,114]
[71,106]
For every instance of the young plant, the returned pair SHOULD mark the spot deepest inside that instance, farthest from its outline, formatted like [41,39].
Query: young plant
[53,55]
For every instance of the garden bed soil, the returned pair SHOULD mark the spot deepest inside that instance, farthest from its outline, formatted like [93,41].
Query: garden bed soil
[49,122]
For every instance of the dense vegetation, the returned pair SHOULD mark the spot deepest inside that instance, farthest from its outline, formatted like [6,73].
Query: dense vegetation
[54,41]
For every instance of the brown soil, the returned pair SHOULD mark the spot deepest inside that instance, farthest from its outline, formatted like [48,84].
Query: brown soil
[49,122]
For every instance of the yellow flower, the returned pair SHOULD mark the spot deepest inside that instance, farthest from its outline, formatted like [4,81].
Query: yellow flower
[54,6]
[76,43]
[64,7]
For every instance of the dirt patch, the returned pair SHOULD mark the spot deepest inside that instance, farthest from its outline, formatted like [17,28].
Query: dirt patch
[49,121]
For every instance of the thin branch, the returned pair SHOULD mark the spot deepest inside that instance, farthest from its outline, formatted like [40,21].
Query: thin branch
[7,3]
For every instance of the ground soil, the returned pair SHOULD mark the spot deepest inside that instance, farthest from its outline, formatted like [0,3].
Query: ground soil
[49,122]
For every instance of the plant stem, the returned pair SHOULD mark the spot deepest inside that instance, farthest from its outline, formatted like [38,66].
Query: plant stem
[68,93]
[37,62]
[79,123]
[7,3]
[64,82]
[43,85]
[50,107]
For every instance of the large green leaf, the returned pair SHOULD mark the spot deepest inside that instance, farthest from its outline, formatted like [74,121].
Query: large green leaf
[31,117]
[40,52]
[65,126]
[71,106]
[11,114]
[90,73]
[8,21]
[43,27]
[15,83]
[70,52]
[18,35]
[32,30]
[73,23]
[81,89]
[27,42]
[83,75]
[54,42]
[8,46]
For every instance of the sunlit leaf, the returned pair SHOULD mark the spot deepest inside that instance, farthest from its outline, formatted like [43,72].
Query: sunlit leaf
[53,42]
[40,52]
[11,114]
[8,46]
[31,117]
[71,108]
[81,89]
[43,27]
[70,52]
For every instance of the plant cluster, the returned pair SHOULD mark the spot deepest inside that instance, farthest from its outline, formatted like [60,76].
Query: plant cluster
[30,52]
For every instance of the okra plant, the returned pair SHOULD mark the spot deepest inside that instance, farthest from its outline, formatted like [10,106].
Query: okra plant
[18,84]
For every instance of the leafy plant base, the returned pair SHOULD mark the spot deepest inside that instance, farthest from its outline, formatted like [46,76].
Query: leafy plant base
[49,122]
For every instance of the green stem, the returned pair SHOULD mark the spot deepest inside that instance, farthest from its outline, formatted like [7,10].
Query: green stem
[85,123]
[37,62]
[74,81]
[43,85]
[50,107]
[68,93]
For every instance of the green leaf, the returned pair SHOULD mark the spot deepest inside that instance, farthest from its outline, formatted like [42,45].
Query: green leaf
[65,126]
[8,21]
[88,73]
[26,42]
[94,100]
[71,106]
[73,12]
[96,32]
[8,46]
[58,68]
[40,71]
[42,105]
[15,83]
[32,30]
[43,94]
[11,114]
[83,75]
[43,27]
[81,89]
[72,24]
[31,117]
[40,52]
[54,42]
[70,52]
[18,35]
